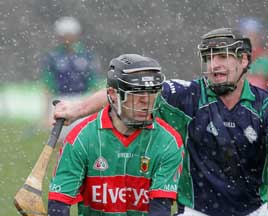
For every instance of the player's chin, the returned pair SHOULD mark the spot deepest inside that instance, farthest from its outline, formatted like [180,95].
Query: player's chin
[219,81]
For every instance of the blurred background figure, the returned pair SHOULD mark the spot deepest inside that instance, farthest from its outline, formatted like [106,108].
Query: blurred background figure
[70,70]
[254,29]
[258,72]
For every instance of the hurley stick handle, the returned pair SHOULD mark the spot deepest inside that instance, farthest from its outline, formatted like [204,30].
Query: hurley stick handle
[56,130]
[28,200]
[35,179]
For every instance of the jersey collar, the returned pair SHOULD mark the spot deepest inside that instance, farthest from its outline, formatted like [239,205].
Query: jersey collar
[106,123]
[247,94]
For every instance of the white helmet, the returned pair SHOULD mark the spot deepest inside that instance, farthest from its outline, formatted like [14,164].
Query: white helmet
[67,25]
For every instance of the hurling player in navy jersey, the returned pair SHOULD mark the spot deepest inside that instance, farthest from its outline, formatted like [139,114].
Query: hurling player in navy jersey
[70,69]
[223,121]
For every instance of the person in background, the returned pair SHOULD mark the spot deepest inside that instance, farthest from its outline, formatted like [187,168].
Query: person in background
[253,28]
[258,72]
[223,120]
[70,70]
[121,160]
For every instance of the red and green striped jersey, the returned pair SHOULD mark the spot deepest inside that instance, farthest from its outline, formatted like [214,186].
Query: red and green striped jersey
[114,174]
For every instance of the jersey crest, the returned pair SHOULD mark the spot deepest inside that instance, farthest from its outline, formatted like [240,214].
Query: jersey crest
[100,164]
[144,164]
[212,129]
[251,134]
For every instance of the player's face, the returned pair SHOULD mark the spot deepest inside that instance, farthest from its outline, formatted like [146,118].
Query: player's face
[69,38]
[139,105]
[223,68]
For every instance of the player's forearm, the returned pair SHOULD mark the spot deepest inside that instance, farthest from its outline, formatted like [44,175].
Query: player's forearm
[71,111]
[93,103]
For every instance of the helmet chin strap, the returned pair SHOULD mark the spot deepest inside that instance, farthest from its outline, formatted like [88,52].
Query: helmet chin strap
[117,111]
[227,87]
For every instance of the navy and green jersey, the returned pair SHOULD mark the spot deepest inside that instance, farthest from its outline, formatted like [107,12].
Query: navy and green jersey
[225,165]
[68,72]
[114,174]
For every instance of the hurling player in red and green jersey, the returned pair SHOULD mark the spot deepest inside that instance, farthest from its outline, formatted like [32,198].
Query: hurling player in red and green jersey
[121,160]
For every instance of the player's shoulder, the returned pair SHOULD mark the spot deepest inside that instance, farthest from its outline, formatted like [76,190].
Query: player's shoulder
[260,101]
[54,54]
[169,131]
[179,85]
[259,93]
[78,128]
[172,83]
[181,93]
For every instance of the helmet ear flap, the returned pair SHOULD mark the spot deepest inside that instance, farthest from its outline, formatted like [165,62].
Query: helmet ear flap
[111,78]
[117,100]
[112,81]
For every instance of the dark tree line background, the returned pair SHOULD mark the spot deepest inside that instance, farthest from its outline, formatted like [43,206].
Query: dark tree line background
[168,30]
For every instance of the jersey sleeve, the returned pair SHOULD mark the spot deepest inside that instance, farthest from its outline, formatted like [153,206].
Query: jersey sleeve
[166,177]
[264,185]
[171,114]
[175,92]
[69,175]
[182,95]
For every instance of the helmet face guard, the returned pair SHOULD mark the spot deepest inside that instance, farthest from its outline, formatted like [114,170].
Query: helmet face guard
[134,76]
[129,112]
[226,42]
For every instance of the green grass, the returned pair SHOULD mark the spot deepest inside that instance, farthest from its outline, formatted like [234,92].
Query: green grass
[21,145]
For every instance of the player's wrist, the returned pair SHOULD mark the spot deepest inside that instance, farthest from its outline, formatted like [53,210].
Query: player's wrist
[82,111]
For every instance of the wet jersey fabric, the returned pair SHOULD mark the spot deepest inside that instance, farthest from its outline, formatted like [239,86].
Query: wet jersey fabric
[116,175]
[69,72]
[226,173]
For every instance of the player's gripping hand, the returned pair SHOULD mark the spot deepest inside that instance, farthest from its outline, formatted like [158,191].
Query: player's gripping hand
[69,110]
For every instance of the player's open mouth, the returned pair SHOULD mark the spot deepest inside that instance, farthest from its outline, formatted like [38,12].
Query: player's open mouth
[219,74]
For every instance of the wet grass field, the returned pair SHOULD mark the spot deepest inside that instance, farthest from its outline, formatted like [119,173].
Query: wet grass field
[21,144]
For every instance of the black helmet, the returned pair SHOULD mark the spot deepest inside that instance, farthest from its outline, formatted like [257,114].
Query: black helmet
[224,41]
[133,73]
[221,39]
